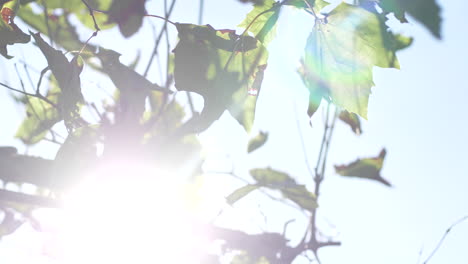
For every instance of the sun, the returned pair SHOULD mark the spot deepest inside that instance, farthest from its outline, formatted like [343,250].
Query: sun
[129,213]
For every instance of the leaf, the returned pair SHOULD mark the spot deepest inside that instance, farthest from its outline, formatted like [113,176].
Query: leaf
[316,4]
[67,74]
[101,18]
[240,193]
[340,54]
[133,87]
[261,21]
[352,120]
[61,30]
[10,34]
[368,168]
[128,14]
[75,157]
[426,12]
[40,117]
[220,66]
[289,188]
[257,141]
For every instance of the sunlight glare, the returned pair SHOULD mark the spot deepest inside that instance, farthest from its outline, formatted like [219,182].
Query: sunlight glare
[126,215]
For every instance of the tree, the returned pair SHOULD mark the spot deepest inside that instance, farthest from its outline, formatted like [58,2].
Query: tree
[145,132]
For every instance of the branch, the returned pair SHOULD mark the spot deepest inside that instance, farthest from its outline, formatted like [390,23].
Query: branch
[40,96]
[23,198]
[463,219]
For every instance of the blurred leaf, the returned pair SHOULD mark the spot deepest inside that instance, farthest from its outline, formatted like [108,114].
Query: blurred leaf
[257,141]
[289,188]
[240,193]
[133,87]
[61,30]
[221,66]
[262,24]
[67,74]
[101,18]
[340,54]
[368,168]
[426,12]
[316,4]
[40,117]
[352,120]
[10,34]
[76,155]
[128,14]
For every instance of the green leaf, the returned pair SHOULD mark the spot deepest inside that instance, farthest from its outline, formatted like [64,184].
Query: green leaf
[340,54]
[261,21]
[240,193]
[222,67]
[10,34]
[101,18]
[289,188]
[316,4]
[257,141]
[61,30]
[368,168]
[40,117]
[426,12]
[128,14]
[67,74]
[352,120]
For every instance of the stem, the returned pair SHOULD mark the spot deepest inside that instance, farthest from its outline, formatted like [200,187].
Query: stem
[29,94]
[463,219]
[163,18]
[155,49]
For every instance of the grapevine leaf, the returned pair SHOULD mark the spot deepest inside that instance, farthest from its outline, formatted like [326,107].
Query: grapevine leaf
[426,12]
[10,34]
[128,15]
[240,193]
[352,120]
[289,188]
[340,54]
[67,74]
[261,21]
[257,142]
[222,67]
[368,168]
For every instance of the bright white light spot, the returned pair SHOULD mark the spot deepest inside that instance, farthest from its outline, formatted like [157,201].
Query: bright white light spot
[129,214]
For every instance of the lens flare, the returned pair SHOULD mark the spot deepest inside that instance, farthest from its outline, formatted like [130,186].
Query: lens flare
[129,213]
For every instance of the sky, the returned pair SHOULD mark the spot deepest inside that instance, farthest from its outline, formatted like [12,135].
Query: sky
[417,113]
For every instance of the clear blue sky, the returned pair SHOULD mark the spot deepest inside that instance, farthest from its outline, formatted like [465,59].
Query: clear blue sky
[417,113]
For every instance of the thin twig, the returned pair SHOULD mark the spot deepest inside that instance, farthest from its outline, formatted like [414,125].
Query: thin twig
[163,18]
[29,94]
[463,219]
[158,40]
